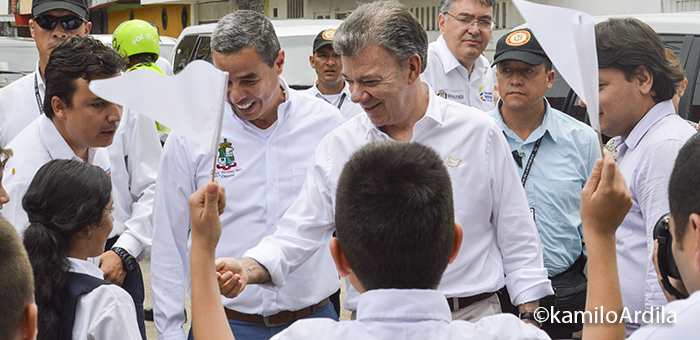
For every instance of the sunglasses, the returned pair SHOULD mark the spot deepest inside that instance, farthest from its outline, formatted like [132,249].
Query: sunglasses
[69,23]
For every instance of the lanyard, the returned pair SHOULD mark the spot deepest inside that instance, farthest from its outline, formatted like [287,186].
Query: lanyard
[529,161]
[38,96]
[342,99]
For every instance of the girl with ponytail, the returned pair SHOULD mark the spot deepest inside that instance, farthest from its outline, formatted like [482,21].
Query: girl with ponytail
[69,208]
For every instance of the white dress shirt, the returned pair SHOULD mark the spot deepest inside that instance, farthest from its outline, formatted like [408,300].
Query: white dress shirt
[410,314]
[18,105]
[35,146]
[646,160]
[262,176]
[685,326]
[488,197]
[134,155]
[450,80]
[341,101]
[107,312]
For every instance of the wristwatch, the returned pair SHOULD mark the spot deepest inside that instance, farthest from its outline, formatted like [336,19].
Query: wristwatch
[529,316]
[128,261]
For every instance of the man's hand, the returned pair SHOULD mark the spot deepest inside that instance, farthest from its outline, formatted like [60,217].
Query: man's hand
[678,284]
[231,275]
[234,275]
[111,264]
[206,204]
[605,199]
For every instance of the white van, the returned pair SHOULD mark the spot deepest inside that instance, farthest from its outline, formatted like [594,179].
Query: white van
[296,38]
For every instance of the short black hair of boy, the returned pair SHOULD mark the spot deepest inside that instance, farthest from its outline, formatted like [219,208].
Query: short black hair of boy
[17,283]
[395,217]
[683,187]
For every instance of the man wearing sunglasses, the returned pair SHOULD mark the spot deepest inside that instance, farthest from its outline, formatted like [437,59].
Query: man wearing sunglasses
[456,69]
[52,23]
[133,154]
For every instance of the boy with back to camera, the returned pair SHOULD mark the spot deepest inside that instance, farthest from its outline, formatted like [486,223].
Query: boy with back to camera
[396,235]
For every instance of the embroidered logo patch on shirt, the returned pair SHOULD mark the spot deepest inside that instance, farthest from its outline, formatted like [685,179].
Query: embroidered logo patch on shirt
[226,165]
[486,96]
[453,162]
[451,94]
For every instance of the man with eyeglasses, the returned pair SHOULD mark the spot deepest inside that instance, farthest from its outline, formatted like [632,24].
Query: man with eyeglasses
[133,155]
[457,70]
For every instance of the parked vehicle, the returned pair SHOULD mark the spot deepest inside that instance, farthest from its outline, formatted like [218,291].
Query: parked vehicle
[296,38]
[18,57]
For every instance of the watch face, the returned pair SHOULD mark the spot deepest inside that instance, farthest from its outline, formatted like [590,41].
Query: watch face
[130,264]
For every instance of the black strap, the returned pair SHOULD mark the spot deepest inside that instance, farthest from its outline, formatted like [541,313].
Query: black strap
[529,161]
[77,285]
[38,96]
[342,99]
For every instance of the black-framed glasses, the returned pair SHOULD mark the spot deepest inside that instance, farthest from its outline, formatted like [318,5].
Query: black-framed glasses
[69,23]
[467,23]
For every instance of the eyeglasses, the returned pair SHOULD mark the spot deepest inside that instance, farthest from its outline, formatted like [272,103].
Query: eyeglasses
[69,23]
[484,25]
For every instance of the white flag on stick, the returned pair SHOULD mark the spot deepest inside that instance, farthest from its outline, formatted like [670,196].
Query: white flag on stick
[568,38]
[190,103]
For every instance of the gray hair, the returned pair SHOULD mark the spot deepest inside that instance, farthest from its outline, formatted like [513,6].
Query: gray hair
[245,28]
[387,24]
[446,5]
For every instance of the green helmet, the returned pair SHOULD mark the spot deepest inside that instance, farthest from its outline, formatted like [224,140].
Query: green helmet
[136,37]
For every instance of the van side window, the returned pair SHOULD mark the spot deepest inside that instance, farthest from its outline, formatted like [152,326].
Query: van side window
[183,53]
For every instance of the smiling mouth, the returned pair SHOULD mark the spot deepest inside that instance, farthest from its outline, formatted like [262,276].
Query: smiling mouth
[371,107]
[243,107]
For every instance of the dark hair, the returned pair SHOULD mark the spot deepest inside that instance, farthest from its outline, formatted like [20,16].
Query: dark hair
[388,24]
[17,283]
[64,197]
[245,28]
[395,216]
[4,157]
[683,194]
[626,44]
[75,58]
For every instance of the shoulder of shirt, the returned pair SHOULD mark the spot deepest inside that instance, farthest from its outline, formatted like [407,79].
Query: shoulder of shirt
[314,328]
[19,84]
[313,107]
[501,324]
[462,113]
[571,124]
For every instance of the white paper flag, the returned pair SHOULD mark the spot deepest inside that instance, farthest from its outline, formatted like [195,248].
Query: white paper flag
[568,38]
[190,103]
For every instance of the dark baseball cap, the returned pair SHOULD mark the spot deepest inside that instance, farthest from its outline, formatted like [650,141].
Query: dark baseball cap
[519,45]
[79,7]
[323,38]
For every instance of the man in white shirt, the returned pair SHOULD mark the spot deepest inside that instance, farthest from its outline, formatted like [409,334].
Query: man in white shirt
[330,85]
[383,73]
[457,70]
[636,88]
[41,141]
[396,235]
[268,135]
[133,156]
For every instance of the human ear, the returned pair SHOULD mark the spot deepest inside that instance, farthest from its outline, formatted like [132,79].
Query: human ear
[341,263]
[457,243]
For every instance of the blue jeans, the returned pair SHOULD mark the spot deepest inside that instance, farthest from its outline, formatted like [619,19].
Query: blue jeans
[257,331]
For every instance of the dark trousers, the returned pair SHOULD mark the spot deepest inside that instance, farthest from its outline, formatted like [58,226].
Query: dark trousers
[133,284]
[569,296]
